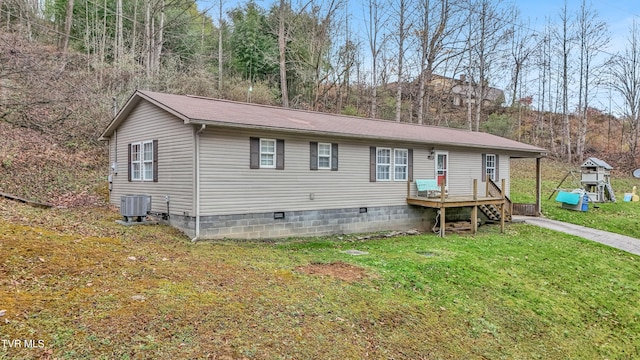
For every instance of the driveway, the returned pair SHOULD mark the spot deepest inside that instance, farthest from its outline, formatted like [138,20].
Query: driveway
[622,242]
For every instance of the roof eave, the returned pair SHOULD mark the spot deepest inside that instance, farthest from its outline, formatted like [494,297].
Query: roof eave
[525,153]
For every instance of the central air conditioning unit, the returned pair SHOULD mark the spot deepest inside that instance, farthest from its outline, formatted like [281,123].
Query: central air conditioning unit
[134,207]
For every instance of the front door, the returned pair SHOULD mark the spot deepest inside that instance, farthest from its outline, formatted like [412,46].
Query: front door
[442,168]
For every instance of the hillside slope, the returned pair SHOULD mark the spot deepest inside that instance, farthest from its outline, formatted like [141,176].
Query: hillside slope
[52,110]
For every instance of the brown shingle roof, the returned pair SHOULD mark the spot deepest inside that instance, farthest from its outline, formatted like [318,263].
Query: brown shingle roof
[199,110]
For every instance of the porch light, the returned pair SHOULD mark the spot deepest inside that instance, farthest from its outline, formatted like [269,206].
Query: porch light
[432,154]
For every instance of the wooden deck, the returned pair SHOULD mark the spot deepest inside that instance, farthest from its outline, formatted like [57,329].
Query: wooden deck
[474,201]
[454,201]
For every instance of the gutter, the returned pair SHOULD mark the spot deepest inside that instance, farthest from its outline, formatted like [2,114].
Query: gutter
[197,179]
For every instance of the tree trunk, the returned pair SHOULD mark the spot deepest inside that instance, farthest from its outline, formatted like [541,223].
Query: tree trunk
[160,41]
[67,26]
[282,43]
[220,52]
[119,44]
[401,36]
[147,37]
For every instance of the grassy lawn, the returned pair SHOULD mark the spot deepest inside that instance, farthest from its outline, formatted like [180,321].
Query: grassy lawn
[89,289]
[619,217]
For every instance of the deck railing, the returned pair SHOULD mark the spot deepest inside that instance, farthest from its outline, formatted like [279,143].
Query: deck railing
[494,190]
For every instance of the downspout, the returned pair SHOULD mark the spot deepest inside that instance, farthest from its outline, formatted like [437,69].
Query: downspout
[197,178]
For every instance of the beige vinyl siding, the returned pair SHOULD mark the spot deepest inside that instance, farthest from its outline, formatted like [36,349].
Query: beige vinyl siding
[464,166]
[505,173]
[175,158]
[229,186]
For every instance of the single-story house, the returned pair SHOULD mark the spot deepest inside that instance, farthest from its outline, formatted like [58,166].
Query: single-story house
[222,169]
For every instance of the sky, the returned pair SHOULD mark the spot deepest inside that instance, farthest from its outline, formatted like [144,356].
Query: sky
[618,14]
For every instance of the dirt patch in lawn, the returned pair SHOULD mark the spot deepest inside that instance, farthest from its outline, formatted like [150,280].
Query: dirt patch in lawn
[340,270]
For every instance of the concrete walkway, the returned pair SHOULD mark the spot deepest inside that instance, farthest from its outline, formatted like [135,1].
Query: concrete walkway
[622,242]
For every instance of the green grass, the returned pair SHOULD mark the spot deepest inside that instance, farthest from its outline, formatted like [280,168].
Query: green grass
[619,217]
[526,294]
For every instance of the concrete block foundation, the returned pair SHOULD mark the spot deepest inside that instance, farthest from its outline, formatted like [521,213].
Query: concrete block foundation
[282,224]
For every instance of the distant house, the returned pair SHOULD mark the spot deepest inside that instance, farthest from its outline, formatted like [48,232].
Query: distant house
[458,91]
[219,169]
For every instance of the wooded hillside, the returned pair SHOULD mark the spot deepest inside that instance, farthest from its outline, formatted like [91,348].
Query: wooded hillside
[66,66]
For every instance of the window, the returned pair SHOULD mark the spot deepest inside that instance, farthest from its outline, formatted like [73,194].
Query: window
[267,153]
[136,164]
[490,166]
[400,164]
[391,164]
[442,166]
[147,160]
[324,156]
[383,164]
[143,162]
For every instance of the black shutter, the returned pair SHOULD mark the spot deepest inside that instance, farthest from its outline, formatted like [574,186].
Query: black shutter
[372,164]
[313,155]
[334,157]
[129,163]
[155,160]
[410,166]
[279,154]
[497,173]
[484,167]
[254,153]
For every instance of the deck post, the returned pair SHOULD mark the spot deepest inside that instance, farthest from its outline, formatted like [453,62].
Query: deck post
[502,212]
[408,188]
[538,186]
[442,221]
[474,210]
[486,192]
[442,211]
[475,189]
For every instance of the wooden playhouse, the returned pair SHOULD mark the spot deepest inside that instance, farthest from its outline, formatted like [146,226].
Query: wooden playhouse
[596,176]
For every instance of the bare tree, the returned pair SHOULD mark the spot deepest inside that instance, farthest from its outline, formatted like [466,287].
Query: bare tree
[67,26]
[524,43]
[624,70]
[440,27]
[220,31]
[592,37]
[282,48]
[375,22]
[403,28]
[564,37]
[119,38]
[543,63]
[487,32]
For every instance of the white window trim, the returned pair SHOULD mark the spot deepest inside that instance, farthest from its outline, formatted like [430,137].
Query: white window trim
[143,164]
[487,167]
[405,166]
[134,162]
[275,150]
[446,178]
[390,164]
[325,156]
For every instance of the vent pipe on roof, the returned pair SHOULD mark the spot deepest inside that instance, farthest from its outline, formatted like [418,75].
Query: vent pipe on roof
[115,106]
